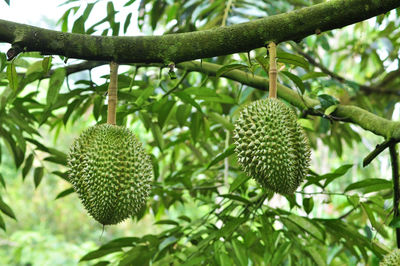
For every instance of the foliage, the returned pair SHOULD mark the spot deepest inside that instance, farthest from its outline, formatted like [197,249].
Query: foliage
[206,210]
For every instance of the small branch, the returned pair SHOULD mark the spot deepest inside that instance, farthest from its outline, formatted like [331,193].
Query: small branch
[346,113]
[378,149]
[368,89]
[176,86]
[272,69]
[112,94]
[226,12]
[347,213]
[396,189]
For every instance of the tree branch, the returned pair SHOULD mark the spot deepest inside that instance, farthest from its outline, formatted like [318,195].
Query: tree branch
[396,189]
[347,113]
[378,88]
[181,47]
[378,149]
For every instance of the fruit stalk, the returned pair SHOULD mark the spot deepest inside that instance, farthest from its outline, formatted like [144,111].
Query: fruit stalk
[112,94]
[272,70]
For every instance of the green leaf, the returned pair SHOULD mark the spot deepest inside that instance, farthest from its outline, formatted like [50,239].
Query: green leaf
[79,25]
[165,112]
[36,67]
[221,120]
[372,220]
[169,222]
[189,100]
[144,95]
[182,114]
[46,64]
[2,223]
[316,256]
[65,192]
[354,200]
[120,242]
[157,135]
[330,109]
[313,75]
[240,252]
[370,185]
[236,198]
[226,153]
[97,105]
[224,69]
[306,123]
[56,81]
[71,107]
[2,181]
[296,80]
[102,263]
[238,181]
[395,222]
[12,76]
[6,209]
[280,253]
[99,253]
[292,59]
[308,205]
[167,242]
[195,125]
[127,22]
[27,165]
[307,225]
[264,63]
[342,170]
[38,175]
[327,100]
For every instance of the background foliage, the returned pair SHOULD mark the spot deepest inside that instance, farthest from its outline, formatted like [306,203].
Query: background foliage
[203,209]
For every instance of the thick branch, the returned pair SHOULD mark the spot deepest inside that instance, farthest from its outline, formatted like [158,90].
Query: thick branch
[181,47]
[396,189]
[349,113]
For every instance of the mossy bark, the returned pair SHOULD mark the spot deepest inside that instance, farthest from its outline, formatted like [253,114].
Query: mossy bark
[181,47]
[349,113]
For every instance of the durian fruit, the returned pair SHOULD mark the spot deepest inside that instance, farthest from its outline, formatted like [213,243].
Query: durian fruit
[271,146]
[391,259]
[111,172]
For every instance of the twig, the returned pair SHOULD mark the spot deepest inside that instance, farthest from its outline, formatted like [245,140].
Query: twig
[112,94]
[396,189]
[179,82]
[347,213]
[371,89]
[378,149]
[272,70]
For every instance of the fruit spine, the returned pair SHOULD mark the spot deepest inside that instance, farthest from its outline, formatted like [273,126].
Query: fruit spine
[391,259]
[271,146]
[110,172]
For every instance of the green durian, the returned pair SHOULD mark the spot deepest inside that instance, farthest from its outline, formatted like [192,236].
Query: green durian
[271,146]
[391,259]
[111,172]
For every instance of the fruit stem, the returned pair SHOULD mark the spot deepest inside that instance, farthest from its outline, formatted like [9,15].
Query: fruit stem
[112,94]
[272,69]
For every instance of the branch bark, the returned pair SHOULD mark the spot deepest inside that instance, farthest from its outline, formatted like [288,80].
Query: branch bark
[349,113]
[181,47]
[396,189]
[378,88]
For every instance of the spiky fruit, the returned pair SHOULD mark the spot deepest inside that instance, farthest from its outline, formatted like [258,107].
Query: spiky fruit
[110,172]
[391,259]
[271,146]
